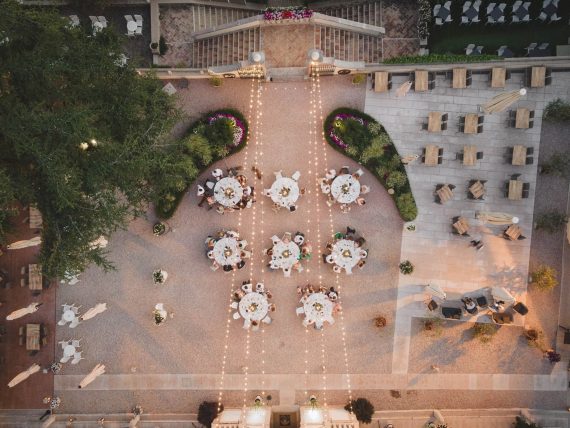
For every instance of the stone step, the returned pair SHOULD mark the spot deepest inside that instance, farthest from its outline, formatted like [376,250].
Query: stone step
[225,49]
[287,74]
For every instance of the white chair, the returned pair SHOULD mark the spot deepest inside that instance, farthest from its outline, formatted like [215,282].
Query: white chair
[234,305]
[278,175]
[76,358]
[275,239]
[139,20]
[287,272]
[93,19]
[515,19]
[329,259]
[466,6]
[74,21]
[491,7]
[543,46]
[246,324]
[299,239]
[531,47]
[103,21]
[74,323]
[236,316]
[246,254]
[260,287]
[138,31]
[464,20]
[75,342]
[326,189]
[516,5]
[218,173]
[300,311]
[200,191]
[267,192]
[215,267]
[128,18]
[364,189]
[247,287]
[555,18]
[210,185]
[476,4]
[501,19]
[210,255]
[296,175]
[331,173]
[75,309]
[436,9]
[337,269]
[62,322]
[267,320]
[242,244]
[359,173]
[64,343]
[448,19]
[501,50]
[286,237]
[447,5]
[469,49]
[65,359]
[542,17]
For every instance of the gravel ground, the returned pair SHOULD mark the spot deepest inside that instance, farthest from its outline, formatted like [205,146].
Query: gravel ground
[455,350]
[192,342]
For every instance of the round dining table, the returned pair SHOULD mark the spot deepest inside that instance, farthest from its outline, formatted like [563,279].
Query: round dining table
[68,350]
[68,316]
[285,255]
[284,192]
[346,254]
[345,189]
[253,306]
[318,308]
[132,26]
[227,251]
[228,192]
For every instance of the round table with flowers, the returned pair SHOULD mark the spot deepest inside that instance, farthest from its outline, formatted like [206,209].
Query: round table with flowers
[284,192]
[228,192]
[345,189]
[227,251]
[346,254]
[318,308]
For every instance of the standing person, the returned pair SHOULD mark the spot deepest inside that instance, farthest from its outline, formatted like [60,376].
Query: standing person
[53,405]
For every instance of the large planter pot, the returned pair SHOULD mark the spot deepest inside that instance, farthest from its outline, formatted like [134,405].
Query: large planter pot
[159,276]
[155,48]
[159,229]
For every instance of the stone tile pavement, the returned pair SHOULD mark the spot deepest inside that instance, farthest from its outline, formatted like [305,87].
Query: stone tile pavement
[438,255]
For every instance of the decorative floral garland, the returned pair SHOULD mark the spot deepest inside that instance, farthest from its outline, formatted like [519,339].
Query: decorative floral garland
[341,117]
[283,13]
[237,125]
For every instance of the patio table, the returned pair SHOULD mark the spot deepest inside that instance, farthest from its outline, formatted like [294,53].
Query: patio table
[421,81]
[469,155]
[461,225]
[285,255]
[32,337]
[498,77]
[346,254]
[35,278]
[477,190]
[131,26]
[471,123]
[445,193]
[515,190]
[381,79]
[537,77]
[459,78]
[432,155]
[519,155]
[513,232]
[434,121]
[522,118]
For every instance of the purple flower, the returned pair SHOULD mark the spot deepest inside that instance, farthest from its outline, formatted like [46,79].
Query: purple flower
[237,125]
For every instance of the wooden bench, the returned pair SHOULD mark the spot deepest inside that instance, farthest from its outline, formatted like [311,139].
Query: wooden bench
[421,81]
[33,337]
[519,155]
[434,121]
[477,189]
[381,81]
[522,118]
[461,226]
[515,190]
[431,155]
[471,123]
[513,232]
[35,277]
[498,77]
[537,77]
[444,193]
[459,78]
[469,155]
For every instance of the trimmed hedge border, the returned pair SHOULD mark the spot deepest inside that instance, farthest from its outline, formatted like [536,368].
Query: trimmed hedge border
[440,58]
[375,163]
[166,214]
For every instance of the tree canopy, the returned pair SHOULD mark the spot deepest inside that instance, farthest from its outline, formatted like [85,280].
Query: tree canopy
[82,136]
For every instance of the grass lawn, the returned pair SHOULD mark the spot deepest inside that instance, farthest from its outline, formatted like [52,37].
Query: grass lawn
[453,37]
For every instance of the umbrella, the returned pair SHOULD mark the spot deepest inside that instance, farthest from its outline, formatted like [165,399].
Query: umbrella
[436,291]
[97,309]
[34,368]
[500,293]
[30,309]
[26,243]
[404,89]
[98,370]
[502,101]
[496,218]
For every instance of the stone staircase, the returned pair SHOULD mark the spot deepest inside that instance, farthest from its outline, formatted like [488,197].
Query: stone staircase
[226,49]
[365,13]
[348,45]
[206,17]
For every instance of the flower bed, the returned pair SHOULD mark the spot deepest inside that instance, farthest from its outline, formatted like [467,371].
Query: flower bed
[216,135]
[363,139]
[286,13]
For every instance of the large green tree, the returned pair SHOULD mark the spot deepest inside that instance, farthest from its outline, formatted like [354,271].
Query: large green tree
[81,135]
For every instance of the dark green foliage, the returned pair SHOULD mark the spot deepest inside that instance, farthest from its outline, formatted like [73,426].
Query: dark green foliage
[440,58]
[207,412]
[162,46]
[203,145]
[552,221]
[521,422]
[371,146]
[362,409]
[558,164]
[557,111]
[60,89]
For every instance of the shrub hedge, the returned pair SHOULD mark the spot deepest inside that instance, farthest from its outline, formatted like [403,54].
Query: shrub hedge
[205,142]
[360,137]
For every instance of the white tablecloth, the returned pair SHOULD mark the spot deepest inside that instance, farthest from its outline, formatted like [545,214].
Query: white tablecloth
[231,246]
[253,306]
[228,192]
[285,255]
[131,26]
[284,191]
[345,189]
[346,254]
[68,316]
[68,350]
[318,308]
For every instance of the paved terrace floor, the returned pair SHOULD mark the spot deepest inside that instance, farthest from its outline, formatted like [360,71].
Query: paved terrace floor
[439,256]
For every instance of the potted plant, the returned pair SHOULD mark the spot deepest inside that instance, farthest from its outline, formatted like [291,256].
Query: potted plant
[158,317]
[411,227]
[359,79]
[216,81]
[313,401]
[380,321]
[258,402]
[208,411]
[553,356]
[362,409]
[154,47]
[158,229]
[159,276]
[406,267]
